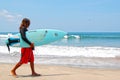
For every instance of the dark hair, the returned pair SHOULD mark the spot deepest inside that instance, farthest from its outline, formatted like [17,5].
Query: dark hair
[25,23]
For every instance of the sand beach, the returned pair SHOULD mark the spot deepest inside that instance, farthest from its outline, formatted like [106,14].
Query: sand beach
[50,72]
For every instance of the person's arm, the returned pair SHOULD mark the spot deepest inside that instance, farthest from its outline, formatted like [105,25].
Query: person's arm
[23,35]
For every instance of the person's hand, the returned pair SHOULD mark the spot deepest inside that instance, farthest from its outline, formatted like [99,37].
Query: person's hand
[32,46]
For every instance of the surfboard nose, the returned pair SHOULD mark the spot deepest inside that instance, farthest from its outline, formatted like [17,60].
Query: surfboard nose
[59,33]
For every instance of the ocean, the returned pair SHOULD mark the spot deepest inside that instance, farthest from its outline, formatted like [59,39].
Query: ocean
[76,49]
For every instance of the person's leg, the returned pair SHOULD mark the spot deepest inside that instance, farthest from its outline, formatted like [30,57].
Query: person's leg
[33,70]
[13,71]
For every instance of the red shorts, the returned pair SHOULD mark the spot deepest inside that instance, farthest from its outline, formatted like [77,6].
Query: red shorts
[26,55]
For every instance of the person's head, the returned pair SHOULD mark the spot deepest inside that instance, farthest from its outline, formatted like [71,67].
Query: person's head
[25,23]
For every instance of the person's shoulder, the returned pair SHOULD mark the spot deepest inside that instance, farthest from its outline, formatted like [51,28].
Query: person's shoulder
[24,28]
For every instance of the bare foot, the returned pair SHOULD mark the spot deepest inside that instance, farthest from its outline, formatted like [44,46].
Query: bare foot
[13,73]
[36,74]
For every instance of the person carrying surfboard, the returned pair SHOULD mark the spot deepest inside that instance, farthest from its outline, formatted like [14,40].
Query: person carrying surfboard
[26,53]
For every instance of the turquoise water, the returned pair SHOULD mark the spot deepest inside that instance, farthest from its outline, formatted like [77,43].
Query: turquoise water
[90,39]
[82,39]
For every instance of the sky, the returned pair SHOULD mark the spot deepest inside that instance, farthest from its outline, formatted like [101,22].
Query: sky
[66,15]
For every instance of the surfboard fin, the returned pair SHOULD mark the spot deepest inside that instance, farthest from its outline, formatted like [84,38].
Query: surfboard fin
[8,47]
[8,43]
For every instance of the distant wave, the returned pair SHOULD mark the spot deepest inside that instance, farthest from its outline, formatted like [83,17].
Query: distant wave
[92,36]
[72,36]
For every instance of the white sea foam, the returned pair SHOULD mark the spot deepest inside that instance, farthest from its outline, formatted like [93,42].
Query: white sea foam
[3,36]
[78,51]
[68,51]
[6,36]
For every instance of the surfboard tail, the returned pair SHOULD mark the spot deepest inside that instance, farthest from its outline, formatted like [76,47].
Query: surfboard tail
[11,41]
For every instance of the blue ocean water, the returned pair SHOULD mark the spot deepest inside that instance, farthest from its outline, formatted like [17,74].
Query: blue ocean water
[81,49]
[90,39]
[82,39]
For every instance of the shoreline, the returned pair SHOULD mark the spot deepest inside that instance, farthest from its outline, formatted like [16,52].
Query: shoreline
[75,62]
[56,72]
